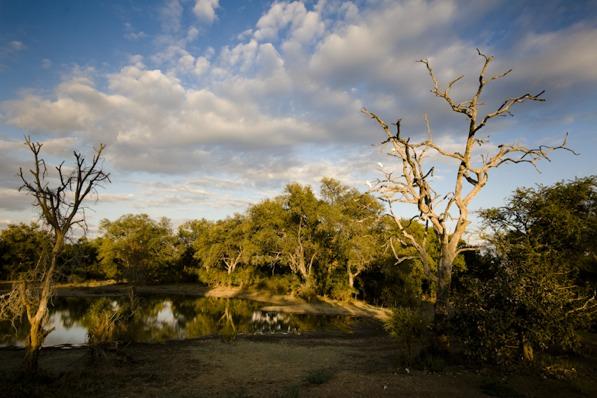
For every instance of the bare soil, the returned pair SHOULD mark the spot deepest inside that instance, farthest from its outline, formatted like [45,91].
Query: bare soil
[269,366]
[363,363]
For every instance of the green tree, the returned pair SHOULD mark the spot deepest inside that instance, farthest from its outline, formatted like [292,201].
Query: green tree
[302,241]
[354,219]
[268,224]
[138,249]
[527,295]
[20,246]
[224,245]
[80,261]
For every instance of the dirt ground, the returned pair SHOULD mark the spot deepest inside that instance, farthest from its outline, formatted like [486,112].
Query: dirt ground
[363,363]
[268,366]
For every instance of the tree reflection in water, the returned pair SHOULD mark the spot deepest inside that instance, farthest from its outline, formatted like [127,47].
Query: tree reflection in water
[112,321]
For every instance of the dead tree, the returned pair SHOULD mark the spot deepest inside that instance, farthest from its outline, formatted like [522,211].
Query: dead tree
[448,213]
[60,202]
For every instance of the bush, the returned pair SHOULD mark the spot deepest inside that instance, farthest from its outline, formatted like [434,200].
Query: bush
[283,284]
[411,328]
[533,291]
[517,308]
[307,292]
[214,277]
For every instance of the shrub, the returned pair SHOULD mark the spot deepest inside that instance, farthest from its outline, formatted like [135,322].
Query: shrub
[517,308]
[282,284]
[411,328]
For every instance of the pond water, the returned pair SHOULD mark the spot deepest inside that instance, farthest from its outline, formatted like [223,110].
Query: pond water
[79,321]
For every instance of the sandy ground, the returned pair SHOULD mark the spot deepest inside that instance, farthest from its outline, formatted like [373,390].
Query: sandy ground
[268,366]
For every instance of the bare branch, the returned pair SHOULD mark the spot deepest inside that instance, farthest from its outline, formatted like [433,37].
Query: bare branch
[448,213]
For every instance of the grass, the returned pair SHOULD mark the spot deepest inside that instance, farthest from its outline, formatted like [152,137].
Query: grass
[292,391]
[319,376]
[495,388]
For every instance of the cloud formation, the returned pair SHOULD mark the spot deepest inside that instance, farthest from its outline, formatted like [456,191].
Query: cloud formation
[256,111]
[205,10]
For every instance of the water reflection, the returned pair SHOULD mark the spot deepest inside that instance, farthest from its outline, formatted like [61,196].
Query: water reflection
[101,321]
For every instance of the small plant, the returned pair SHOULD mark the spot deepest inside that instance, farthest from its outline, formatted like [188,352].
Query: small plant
[319,376]
[292,391]
[410,327]
[308,293]
[495,388]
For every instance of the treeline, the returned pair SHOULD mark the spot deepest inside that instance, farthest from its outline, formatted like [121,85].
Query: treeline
[532,286]
[340,244]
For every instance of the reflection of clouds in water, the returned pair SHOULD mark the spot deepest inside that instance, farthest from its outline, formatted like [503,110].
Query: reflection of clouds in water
[75,334]
[171,319]
[165,315]
[272,322]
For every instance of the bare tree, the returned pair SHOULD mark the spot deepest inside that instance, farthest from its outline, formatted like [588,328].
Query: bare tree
[448,213]
[61,208]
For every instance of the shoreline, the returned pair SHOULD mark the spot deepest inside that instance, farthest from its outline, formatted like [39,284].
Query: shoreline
[274,302]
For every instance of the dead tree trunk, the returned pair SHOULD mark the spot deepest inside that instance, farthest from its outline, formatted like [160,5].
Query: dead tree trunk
[448,213]
[59,206]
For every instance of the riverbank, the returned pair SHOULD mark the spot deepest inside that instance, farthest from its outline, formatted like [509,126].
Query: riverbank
[269,366]
[272,302]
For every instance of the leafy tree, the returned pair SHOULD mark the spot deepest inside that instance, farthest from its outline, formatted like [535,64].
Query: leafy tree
[20,246]
[80,261]
[527,295]
[188,233]
[268,223]
[225,245]
[301,243]
[138,249]
[560,221]
[356,230]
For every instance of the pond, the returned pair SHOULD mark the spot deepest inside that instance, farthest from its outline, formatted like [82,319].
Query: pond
[83,320]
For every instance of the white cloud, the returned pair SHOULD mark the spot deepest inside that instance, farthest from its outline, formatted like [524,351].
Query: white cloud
[565,56]
[201,66]
[282,101]
[17,45]
[46,63]
[171,15]
[13,200]
[132,34]
[205,10]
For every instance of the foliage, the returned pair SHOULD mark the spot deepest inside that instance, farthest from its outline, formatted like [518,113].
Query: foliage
[297,243]
[526,295]
[224,244]
[560,221]
[411,328]
[20,247]
[319,376]
[187,234]
[137,248]
[79,261]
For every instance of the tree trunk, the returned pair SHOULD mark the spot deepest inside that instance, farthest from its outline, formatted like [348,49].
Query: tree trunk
[350,279]
[526,350]
[442,302]
[37,334]
[34,342]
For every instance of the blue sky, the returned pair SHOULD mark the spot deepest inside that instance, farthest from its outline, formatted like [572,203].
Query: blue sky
[206,106]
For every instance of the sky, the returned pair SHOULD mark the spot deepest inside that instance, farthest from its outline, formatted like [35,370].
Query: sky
[207,106]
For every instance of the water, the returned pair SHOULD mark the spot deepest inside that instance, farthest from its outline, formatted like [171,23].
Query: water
[79,321]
